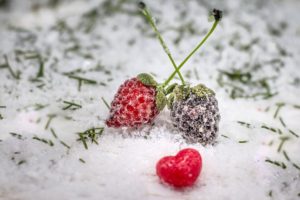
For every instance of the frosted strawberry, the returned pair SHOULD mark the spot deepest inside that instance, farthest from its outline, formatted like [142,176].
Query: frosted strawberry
[181,170]
[137,102]
[195,112]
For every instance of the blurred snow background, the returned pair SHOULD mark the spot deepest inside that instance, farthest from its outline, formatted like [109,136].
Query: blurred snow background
[251,61]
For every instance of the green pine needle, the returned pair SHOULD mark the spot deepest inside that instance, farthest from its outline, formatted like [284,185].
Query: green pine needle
[105,102]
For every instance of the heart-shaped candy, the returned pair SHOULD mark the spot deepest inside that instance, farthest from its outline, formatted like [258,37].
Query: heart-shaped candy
[181,170]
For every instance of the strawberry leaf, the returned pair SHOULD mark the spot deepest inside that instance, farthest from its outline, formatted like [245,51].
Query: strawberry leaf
[170,88]
[181,92]
[170,100]
[201,90]
[161,100]
[147,79]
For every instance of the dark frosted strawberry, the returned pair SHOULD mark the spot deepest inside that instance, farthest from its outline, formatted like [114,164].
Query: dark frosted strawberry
[195,112]
[133,105]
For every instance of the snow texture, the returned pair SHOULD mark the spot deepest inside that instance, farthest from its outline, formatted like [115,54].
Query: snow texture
[251,61]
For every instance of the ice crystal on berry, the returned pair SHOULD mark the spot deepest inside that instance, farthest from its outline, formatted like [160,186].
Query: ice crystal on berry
[197,117]
[133,105]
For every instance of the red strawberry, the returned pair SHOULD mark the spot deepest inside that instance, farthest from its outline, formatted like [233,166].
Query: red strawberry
[181,170]
[135,103]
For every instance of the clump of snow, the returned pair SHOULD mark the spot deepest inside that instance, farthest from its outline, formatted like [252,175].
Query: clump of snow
[108,42]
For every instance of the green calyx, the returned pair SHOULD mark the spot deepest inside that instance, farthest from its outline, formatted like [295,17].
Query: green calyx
[170,88]
[160,99]
[181,92]
[161,96]
[170,101]
[147,79]
[201,90]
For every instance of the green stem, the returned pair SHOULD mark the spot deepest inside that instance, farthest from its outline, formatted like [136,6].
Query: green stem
[163,44]
[195,49]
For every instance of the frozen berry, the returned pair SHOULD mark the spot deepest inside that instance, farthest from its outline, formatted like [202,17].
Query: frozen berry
[195,112]
[133,105]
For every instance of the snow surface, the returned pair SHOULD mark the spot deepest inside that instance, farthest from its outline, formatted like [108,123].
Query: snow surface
[115,43]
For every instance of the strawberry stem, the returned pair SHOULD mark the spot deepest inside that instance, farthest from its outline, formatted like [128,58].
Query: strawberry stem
[148,16]
[217,19]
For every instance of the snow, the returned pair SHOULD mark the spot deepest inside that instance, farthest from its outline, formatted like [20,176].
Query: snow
[117,44]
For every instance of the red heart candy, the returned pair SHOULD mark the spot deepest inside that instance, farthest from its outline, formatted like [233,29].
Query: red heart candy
[181,170]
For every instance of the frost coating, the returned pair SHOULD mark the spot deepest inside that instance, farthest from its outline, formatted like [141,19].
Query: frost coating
[133,105]
[198,117]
